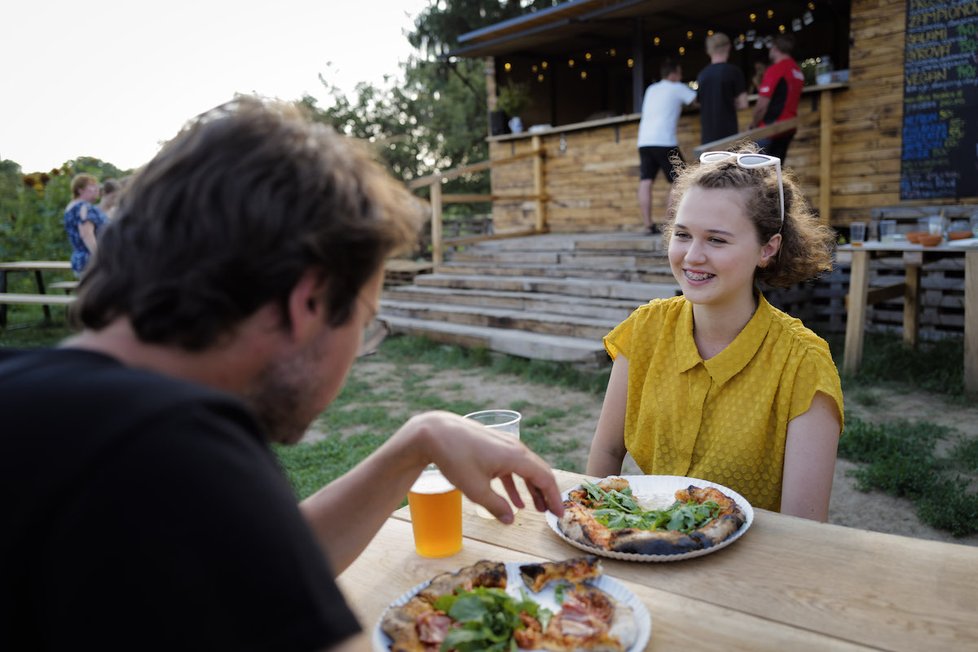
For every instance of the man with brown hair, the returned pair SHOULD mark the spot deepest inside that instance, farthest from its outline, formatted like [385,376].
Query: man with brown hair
[222,312]
[778,95]
[721,91]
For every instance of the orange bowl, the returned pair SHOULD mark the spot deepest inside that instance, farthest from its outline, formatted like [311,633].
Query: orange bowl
[914,236]
[930,240]
[958,235]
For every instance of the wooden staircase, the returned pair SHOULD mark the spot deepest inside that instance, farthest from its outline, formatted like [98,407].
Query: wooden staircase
[549,297]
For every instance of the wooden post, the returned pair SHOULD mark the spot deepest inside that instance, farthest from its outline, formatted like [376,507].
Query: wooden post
[541,205]
[911,303]
[971,322]
[856,317]
[825,158]
[437,246]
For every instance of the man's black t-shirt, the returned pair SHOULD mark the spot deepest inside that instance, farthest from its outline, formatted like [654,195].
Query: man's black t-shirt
[144,513]
[719,85]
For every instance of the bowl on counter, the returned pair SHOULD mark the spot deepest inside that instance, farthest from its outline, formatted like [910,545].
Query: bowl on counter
[930,239]
[959,235]
[914,236]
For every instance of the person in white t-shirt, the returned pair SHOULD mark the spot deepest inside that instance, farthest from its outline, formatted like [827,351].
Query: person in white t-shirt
[657,141]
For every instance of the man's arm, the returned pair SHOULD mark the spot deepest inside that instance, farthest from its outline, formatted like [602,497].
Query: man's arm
[346,514]
[760,108]
[809,460]
[740,102]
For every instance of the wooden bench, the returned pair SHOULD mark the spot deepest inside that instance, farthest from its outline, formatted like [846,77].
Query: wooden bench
[41,298]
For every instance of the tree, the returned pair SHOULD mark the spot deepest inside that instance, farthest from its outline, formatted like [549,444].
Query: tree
[32,205]
[437,120]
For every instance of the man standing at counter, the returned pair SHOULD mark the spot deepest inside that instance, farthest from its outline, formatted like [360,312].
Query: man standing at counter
[658,143]
[778,96]
[721,91]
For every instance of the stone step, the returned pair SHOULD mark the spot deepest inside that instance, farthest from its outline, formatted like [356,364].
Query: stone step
[536,346]
[616,241]
[651,275]
[582,260]
[562,304]
[579,287]
[536,322]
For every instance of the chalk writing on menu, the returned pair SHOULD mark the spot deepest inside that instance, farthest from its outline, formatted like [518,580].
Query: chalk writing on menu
[939,158]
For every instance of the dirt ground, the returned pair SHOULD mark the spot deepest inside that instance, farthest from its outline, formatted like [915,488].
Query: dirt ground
[849,506]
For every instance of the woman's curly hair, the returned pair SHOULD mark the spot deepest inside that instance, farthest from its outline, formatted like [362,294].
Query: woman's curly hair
[807,245]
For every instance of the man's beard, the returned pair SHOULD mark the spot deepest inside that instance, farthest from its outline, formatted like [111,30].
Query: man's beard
[280,398]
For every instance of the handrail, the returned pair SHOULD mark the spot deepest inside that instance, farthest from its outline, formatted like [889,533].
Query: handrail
[438,199]
[766,131]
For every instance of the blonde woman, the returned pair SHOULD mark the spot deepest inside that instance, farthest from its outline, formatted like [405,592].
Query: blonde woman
[83,220]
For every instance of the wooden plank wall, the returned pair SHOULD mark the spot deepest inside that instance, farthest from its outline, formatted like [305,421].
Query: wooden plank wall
[591,175]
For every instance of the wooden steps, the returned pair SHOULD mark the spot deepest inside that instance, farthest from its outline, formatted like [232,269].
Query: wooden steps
[551,297]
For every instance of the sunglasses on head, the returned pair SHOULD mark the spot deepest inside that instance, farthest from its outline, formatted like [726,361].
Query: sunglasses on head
[749,161]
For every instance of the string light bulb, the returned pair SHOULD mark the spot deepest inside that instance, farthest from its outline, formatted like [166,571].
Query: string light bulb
[689,35]
[709,32]
[770,14]
[543,65]
[781,28]
[682,50]
[507,66]
[753,18]
[613,52]
[656,41]
[540,77]
[631,62]
[584,74]
[570,63]
[811,6]
[587,56]
[534,68]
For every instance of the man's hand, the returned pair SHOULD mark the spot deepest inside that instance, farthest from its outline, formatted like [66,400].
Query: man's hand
[470,455]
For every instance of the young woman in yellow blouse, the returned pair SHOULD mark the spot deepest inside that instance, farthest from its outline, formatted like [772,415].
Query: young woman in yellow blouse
[717,384]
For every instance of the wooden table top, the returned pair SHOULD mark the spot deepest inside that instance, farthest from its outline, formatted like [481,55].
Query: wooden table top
[787,584]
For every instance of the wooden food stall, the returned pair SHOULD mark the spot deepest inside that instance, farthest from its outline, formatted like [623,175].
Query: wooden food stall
[582,67]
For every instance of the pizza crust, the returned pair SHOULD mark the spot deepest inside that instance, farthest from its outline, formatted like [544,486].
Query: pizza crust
[579,524]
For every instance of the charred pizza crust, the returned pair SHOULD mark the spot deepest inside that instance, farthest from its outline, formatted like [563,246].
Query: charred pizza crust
[579,523]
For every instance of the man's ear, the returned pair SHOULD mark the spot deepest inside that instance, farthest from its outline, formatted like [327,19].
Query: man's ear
[307,305]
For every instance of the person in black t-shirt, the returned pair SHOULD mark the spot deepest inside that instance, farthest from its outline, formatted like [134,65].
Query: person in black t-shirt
[721,91]
[146,510]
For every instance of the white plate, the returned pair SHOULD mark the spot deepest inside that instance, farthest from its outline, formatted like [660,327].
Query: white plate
[643,621]
[662,489]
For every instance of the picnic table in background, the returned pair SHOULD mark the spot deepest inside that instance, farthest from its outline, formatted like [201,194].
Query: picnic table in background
[41,297]
[786,584]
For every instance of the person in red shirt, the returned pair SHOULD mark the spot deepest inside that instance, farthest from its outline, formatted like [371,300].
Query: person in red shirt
[778,95]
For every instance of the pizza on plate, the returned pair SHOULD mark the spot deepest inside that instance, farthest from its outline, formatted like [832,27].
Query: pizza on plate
[471,610]
[607,516]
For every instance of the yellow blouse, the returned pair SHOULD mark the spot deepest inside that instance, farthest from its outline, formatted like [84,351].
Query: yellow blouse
[724,419]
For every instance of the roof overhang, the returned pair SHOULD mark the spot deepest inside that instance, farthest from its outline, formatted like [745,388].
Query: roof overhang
[582,24]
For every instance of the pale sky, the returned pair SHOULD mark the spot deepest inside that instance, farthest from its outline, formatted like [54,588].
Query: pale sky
[112,79]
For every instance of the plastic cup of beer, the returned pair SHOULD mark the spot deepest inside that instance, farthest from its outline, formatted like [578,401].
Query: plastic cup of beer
[436,514]
[857,233]
[505,421]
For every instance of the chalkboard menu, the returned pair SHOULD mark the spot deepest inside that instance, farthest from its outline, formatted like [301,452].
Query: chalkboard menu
[939,158]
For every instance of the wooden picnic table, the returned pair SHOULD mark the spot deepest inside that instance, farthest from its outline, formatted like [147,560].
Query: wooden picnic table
[37,267]
[787,584]
[914,256]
